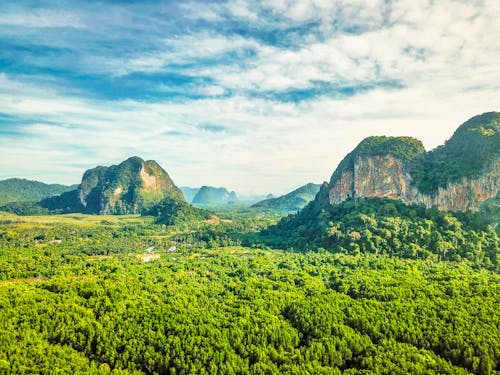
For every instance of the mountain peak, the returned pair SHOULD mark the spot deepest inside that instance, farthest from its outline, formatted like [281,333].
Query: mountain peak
[132,186]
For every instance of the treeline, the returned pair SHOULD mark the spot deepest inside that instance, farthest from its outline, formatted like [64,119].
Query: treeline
[383,226]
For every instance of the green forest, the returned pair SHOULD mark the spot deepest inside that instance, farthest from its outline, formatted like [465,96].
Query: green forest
[384,226]
[96,294]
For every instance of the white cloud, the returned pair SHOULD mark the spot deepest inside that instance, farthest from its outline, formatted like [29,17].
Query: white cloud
[274,146]
[182,50]
[42,19]
[444,54]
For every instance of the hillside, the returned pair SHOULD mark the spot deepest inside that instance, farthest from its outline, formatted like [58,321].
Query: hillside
[132,186]
[385,226]
[209,195]
[374,205]
[293,201]
[17,190]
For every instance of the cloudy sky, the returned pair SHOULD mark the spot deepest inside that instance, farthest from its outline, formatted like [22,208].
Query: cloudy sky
[257,96]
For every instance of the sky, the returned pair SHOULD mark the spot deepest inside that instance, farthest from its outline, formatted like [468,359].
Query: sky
[256,96]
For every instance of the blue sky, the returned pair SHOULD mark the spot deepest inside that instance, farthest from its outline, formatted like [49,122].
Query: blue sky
[257,96]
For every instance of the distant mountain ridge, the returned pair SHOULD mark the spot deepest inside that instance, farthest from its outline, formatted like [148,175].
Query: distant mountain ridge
[293,201]
[19,189]
[189,192]
[209,195]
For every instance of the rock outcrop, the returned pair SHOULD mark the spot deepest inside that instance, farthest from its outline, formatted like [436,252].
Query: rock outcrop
[385,176]
[397,168]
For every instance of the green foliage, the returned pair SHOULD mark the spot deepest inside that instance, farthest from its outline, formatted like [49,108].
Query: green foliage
[64,203]
[176,212]
[383,226]
[25,208]
[471,149]
[20,190]
[489,212]
[293,201]
[67,307]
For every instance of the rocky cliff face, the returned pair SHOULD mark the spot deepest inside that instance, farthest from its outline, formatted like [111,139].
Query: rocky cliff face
[386,176]
[457,176]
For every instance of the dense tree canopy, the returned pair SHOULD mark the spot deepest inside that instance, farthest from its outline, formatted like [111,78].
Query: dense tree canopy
[78,296]
[21,190]
[384,226]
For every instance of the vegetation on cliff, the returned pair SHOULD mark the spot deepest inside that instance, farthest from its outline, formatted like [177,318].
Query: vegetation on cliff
[132,186]
[403,148]
[471,149]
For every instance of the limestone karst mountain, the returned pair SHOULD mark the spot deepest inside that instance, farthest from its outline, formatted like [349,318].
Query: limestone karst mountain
[457,176]
[209,195]
[132,186]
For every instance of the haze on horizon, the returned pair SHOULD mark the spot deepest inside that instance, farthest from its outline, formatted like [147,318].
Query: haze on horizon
[256,96]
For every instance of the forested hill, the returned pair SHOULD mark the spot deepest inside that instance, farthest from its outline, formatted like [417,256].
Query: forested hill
[293,201]
[384,226]
[373,204]
[18,189]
